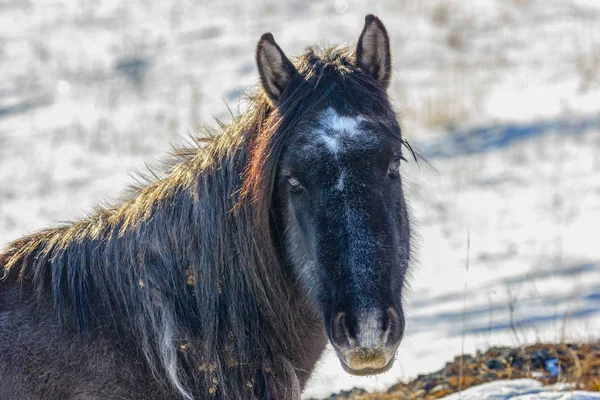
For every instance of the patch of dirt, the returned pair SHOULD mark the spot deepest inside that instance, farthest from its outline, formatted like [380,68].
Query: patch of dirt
[576,364]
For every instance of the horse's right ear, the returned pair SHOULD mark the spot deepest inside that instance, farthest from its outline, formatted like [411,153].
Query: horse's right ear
[276,71]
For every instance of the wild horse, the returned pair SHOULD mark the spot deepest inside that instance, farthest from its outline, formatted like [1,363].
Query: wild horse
[227,276]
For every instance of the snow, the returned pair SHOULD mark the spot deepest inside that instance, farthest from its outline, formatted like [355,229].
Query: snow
[501,96]
[520,389]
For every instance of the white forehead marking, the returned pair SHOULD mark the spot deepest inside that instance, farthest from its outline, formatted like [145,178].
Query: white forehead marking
[336,127]
[333,143]
[332,120]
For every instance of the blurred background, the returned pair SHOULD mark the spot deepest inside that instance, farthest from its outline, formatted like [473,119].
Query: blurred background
[501,97]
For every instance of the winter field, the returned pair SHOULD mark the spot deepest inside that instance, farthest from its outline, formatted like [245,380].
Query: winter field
[521,389]
[501,97]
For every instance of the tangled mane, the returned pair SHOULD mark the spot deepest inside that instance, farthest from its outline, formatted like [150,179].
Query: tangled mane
[189,271]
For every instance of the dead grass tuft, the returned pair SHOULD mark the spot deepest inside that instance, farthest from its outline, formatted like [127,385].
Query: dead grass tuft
[578,365]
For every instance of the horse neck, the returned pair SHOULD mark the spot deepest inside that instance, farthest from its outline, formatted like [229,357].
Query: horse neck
[175,264]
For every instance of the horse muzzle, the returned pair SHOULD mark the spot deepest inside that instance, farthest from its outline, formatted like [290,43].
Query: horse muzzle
[370,347]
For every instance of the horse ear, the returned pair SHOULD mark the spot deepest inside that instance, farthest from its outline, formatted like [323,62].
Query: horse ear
[373,53]
[276,71]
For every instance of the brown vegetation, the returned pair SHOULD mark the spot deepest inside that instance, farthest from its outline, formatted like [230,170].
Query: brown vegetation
[577,364]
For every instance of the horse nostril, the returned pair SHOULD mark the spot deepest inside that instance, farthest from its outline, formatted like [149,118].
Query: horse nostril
[340,335]
[393,327]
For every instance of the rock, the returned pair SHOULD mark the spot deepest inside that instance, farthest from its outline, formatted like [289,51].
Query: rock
[439,388]
[430,384]
[539,357]
[496,364]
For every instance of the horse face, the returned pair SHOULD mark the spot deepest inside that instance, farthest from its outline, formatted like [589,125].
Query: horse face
[339,204]
[346,232]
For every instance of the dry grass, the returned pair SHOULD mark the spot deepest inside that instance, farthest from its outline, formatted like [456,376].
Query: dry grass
[579,365]
[587,65]
[446,108]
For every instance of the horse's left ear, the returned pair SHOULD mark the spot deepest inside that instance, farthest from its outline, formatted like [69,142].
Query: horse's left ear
[373,53]
[276,71]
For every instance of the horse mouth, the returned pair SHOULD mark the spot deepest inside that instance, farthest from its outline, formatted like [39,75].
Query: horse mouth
[366,371]
[365,362]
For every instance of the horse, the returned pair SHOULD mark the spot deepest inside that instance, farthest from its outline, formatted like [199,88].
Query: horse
[226,276]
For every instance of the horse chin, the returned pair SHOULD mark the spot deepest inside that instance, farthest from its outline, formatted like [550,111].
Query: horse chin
[366,371]
[374,364]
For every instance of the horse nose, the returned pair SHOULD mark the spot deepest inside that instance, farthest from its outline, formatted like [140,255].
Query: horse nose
[367,344]
[394,327]
[373,329]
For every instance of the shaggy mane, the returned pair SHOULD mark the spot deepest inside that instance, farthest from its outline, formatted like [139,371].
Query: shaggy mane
[189,268]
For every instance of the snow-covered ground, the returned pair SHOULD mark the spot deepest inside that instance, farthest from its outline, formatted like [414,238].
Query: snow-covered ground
[501,95]
[521,389]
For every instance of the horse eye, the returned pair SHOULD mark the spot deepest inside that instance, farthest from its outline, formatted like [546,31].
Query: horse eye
[294,183]
[395,165]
